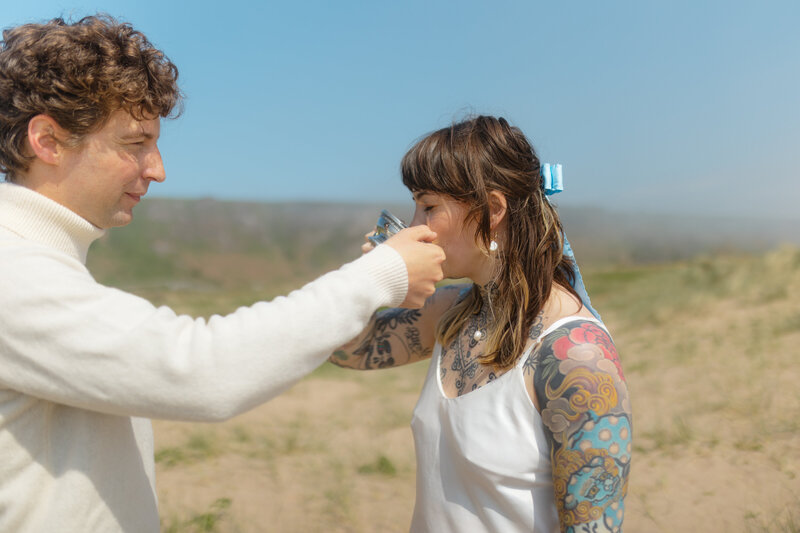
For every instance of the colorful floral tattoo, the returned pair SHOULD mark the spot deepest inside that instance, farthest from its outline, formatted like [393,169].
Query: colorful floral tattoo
[586,410]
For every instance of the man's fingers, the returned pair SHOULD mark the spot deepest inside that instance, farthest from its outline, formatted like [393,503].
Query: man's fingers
[422,233]
[423,260]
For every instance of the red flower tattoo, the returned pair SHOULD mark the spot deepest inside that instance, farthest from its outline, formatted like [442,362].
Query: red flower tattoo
[588,333]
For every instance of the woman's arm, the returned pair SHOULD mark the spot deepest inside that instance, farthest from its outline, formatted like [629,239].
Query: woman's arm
[583,398]
[397,337]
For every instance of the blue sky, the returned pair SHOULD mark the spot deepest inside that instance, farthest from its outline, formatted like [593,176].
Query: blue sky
[671,107]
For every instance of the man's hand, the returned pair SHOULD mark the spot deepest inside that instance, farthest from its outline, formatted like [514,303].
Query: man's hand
[423,262]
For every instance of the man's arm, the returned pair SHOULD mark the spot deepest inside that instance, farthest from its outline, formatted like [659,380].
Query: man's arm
[583,398]
[69,340]
[397,336]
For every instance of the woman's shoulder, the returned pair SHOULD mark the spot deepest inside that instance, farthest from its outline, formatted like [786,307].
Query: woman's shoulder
[574,331]
[577,341]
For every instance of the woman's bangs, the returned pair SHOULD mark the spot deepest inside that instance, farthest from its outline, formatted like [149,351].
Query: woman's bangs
[424,167]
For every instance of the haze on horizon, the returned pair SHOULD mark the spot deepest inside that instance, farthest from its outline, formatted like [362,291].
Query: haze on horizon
[680,107]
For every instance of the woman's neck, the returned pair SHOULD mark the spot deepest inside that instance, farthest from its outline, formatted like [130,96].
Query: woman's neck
[562,303]
[487,290]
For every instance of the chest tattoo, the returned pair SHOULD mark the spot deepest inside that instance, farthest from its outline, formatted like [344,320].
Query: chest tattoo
[460,370]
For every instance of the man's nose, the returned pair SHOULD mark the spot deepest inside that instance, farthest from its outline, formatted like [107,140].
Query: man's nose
[154,166]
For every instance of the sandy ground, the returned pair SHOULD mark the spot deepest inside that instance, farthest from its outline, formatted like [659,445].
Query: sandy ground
[710,352]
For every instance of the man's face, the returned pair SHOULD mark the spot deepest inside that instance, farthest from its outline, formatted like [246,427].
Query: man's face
[110,171]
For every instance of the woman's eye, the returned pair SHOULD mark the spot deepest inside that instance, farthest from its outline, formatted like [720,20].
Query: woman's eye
[428,208]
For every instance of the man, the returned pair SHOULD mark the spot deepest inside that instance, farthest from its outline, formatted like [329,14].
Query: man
[80,363]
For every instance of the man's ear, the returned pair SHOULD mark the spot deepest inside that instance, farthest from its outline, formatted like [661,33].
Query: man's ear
[497,208]
[44,138]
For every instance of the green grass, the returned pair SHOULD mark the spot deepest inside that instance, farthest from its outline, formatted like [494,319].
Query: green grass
[786,521]
[205,522]
[382,466]
[200,445]
[671,437]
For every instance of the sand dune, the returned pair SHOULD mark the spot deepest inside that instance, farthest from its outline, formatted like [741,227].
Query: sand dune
[710,349]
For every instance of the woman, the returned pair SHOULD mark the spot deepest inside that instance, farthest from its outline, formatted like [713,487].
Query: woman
[523,423]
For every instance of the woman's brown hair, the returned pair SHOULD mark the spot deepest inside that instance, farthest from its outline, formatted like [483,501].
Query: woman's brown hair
[467,161]
[78,74]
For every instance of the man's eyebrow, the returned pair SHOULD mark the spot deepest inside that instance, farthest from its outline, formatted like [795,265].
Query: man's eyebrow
[138,133]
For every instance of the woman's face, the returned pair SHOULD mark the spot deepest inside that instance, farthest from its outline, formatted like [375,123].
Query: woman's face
[446,217]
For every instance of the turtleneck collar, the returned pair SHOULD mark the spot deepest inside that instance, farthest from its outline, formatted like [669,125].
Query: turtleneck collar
[37,218]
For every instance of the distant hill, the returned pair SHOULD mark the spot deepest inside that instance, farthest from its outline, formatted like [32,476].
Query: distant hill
[206,243]
[607,237]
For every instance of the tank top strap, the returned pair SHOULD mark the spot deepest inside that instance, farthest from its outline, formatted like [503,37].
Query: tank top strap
[561,321]
[554,326]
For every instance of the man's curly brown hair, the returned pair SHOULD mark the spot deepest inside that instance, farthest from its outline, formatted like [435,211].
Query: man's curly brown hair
[78,74]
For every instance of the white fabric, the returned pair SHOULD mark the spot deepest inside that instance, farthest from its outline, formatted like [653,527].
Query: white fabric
[483,459]
[79,362]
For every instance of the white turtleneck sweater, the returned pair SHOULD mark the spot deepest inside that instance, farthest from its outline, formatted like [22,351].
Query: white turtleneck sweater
[83,366]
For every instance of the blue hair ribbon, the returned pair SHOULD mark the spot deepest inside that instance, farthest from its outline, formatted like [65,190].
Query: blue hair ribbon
[552,179]
[553,182]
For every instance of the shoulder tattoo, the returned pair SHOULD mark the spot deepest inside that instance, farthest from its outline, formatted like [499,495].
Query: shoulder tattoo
[586,411]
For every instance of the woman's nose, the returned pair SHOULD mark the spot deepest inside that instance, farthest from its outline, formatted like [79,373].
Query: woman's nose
[419,218]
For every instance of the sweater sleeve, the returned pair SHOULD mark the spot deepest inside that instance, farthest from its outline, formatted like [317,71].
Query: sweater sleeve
[67,339]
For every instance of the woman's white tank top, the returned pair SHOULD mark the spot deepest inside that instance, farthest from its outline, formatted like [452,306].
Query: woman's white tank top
[483,460]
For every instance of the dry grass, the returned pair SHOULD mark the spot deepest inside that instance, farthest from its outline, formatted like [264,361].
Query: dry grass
[710,352]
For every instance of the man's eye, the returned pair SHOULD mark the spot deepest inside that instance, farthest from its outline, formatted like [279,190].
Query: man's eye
[428,208]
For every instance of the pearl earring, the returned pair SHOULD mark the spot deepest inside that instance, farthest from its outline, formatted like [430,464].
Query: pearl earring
[493,246]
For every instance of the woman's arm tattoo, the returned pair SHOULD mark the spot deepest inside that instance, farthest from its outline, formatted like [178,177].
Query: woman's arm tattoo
[396,336]
[393,334]
[585,407]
